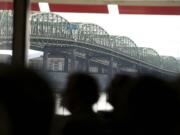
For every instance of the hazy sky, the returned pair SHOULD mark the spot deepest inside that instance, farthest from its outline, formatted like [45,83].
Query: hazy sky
[159,32]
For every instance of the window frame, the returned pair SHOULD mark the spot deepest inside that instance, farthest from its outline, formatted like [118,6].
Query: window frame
[20,32]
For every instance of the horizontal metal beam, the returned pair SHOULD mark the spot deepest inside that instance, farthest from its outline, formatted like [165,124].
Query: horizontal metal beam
[119,2]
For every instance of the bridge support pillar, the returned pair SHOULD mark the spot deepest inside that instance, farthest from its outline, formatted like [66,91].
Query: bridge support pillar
[87,63]
[100,69]
[66,64]
[118,68]
[73,60]
[140,69]
[45,60]
[110,67]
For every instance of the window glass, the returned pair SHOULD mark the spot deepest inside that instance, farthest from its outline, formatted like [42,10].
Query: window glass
[103,40]
[6,30]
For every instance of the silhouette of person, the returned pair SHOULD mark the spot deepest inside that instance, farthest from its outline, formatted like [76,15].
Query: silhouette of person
[117,93]
[153,107]
[81,93]
[28,99]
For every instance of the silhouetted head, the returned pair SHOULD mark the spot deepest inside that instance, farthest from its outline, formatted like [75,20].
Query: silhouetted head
[154,107]
[118,90]
[28,99]
[81,92]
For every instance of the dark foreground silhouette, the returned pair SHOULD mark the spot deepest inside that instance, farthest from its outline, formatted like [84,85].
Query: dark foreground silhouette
[118,92]
[154,107]
[143,105]
[81,93]
[28,101]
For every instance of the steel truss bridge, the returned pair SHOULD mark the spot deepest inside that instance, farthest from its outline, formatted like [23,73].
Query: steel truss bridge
[87,47]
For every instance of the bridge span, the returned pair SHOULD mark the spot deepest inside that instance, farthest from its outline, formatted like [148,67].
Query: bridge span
[69,47]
